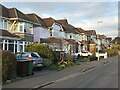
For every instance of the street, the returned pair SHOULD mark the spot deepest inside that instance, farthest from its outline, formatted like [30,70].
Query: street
[104,76]
[95,74]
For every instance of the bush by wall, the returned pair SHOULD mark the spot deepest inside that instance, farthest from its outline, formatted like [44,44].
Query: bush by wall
[68,57]
[43,50]
[8,66]
[115,49]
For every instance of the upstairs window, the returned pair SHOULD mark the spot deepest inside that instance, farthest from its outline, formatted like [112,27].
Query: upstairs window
[50,33]
[21,28]
[1,23]
[5,24]
[70,36]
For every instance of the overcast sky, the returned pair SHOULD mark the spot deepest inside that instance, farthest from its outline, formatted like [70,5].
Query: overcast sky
[85,15]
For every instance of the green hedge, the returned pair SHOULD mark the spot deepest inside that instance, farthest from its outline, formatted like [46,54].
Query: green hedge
[43,50]
[8,66]
[115,49]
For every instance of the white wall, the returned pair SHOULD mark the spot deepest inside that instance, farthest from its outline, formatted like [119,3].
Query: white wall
[84,37]
[58,31]
[40,32]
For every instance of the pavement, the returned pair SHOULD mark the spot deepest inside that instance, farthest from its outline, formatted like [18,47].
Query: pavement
[46,77]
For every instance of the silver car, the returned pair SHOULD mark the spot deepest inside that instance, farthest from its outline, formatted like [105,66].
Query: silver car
[38,61]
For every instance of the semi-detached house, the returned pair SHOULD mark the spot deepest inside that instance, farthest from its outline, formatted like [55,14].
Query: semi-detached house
[19,25]
[71,36]
[40,30]
[92,41]
[55,41]
[83,39]
[8,41]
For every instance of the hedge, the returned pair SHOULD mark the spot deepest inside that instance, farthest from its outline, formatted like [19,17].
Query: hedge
[9,64]
[43,50]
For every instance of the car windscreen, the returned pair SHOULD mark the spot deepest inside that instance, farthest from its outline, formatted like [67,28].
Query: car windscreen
[21,55]
[34,55]
[84,52]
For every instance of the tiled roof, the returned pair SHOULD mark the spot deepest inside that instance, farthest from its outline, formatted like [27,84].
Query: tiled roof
[15,13]
[80,30]
[67,27]
[70,41]
[4,11]
[91,42]
[84,42]
[89,32]
[102,36]
[50,40]
[49,21]
[109,38]
[63,21]
[7,34]
[36,19]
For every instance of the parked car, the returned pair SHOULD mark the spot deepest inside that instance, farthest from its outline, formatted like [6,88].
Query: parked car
[38,61]
[84,53]
[101,54]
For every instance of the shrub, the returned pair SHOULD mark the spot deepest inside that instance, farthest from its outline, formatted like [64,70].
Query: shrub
[68,57]
[8,66]
[112,52]
[43,50]
[47,62]
[54,67]
[86,59]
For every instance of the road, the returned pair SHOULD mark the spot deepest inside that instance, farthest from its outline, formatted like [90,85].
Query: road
[96,74]
[102,76]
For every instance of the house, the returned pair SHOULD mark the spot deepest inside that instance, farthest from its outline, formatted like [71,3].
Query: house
[116,40]
[99,43]
[40,30]
[55,28]
[91,40]
[83,38]
[108,42]
[8,41]
[57,33]
[71,36]
[103,41]
[22,26]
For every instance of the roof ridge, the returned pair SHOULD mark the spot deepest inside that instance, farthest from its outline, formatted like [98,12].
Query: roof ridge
[36,18]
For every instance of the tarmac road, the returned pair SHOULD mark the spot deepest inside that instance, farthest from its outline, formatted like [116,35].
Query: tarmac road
[102,76]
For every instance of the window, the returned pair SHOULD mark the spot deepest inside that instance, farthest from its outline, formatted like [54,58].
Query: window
[25,30]
[5,46]
[34,55]
[11,47]
[1,23]
[1,46]
[50,33]
[70,36]
[21,28]
[5,24]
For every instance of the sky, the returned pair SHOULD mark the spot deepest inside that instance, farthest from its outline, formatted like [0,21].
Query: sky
[99,16]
